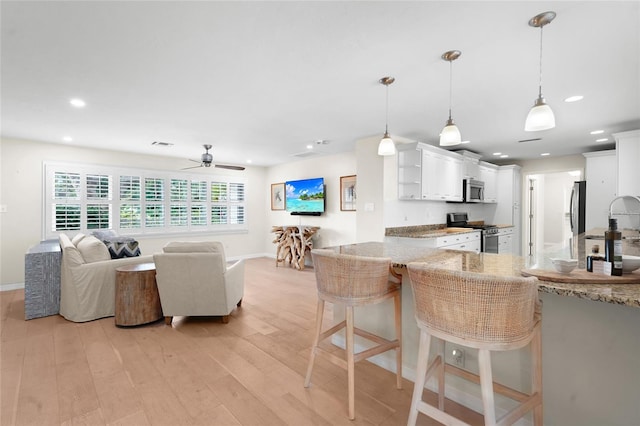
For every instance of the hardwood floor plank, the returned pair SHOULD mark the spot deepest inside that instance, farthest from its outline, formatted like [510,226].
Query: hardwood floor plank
[198,371]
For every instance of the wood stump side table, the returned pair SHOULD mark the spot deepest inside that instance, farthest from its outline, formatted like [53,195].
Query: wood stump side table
[137,298]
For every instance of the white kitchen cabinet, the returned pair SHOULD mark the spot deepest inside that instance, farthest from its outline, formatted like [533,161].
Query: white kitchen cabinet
[466,241]
[489,175]
[505,241]
[628,156]
[426,172]
[508,208]
[441,175]
[601,175]
[471,168]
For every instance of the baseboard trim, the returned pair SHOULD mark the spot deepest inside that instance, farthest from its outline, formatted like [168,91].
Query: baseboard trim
[13,286]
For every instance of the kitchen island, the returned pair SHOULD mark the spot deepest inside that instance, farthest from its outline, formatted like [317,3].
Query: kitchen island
[590,332]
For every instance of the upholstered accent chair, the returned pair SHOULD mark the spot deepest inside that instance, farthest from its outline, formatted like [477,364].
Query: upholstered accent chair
[88,278]
[194,279]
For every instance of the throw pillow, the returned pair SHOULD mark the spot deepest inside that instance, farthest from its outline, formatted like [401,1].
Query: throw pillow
[77,238]
[120,247]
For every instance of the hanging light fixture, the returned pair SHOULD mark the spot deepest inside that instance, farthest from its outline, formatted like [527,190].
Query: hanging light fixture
[450,135]
[540,116]
[386,145]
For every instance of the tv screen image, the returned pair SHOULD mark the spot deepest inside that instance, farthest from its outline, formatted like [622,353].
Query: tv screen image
[305,196]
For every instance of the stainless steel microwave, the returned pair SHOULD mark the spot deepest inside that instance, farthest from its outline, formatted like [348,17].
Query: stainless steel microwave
[472,191]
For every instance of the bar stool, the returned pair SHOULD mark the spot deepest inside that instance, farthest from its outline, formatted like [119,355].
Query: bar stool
[485,312]
[350,281]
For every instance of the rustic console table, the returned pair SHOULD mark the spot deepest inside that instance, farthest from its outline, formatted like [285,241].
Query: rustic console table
[293,242]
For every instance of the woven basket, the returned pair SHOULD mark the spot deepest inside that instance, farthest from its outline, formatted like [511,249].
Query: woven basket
[475,307]
[351,280]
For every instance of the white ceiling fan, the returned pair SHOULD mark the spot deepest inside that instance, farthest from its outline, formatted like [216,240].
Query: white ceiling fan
[206,160]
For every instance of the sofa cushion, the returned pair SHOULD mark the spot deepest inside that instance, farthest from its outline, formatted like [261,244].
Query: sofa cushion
[77,238]
[93,250]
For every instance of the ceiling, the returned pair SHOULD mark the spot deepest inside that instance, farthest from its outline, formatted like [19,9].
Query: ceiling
[261,81]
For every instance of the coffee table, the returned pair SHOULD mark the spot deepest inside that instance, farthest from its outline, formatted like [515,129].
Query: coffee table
[137,298]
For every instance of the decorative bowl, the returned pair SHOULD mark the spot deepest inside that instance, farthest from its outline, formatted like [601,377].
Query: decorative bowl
[630,263]
[564,266]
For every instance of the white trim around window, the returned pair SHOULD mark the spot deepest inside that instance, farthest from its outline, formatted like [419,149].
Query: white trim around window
[130,201]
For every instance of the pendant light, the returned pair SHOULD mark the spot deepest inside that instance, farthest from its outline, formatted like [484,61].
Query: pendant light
[386,145]
[540,116]
[450,135]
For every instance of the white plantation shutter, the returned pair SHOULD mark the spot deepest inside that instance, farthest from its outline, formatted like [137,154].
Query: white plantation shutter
[134,201]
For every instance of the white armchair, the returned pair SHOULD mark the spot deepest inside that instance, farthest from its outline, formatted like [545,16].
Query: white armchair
[194,279]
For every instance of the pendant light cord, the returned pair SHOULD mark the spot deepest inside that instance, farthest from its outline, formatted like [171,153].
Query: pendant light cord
[386,114]
[450,86]
[540,75]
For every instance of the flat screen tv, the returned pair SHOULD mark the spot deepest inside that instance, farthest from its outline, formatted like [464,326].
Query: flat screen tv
[305,197]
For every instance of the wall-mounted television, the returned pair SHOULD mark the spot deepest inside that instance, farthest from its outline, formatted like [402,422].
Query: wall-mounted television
[305,197]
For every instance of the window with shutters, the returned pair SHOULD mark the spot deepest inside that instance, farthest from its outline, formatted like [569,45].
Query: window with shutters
[132,202]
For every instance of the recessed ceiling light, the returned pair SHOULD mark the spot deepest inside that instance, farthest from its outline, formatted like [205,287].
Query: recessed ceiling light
[249,161]
[602,140]
[465,142]
[504,156]
[67,139]
[309,146]
[497,153]
[544,154]
[78,103]
[597,132]
[575,98]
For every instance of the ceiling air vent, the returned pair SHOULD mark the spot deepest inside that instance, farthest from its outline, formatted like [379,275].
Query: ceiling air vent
[156,143]
[304,154]
[530,140]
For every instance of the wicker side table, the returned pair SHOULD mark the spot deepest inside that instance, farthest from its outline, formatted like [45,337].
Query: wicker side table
[137,298]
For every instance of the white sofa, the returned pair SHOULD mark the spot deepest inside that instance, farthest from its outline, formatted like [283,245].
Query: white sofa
[194,279]
[88,278]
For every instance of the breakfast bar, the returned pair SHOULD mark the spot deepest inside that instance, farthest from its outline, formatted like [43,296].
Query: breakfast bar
[591,342]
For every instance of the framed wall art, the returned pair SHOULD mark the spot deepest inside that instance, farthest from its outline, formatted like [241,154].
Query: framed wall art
[277,196]
[348,193]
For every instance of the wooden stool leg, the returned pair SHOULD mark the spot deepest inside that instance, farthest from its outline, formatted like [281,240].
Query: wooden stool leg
[316,339]
[486,386]
[421,372]
[398,321]
[536,369]
[441,375]
[350,363]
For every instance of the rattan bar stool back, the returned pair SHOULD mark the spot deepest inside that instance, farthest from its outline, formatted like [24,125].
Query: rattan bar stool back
[485,312]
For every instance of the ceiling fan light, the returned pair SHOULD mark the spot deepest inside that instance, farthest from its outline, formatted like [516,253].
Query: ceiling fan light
[386,145]
[540,117]
[450,135]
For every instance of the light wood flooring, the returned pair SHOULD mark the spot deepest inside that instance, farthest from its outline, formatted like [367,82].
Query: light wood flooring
[197,372]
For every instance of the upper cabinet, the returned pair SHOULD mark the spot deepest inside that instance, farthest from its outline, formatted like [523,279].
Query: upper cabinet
[471,164]
[628,155]
[426,172]
[489,175]
[601,176]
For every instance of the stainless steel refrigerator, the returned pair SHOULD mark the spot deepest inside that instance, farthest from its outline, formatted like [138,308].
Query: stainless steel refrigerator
[577,207]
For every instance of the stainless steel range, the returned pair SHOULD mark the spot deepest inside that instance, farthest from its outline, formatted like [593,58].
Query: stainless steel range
[489,240]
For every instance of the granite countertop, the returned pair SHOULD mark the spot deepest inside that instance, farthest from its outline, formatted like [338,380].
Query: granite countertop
[426,231]
[494,264]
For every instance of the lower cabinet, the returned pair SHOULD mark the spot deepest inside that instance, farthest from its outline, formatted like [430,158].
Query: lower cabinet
[505,241]
[468,241]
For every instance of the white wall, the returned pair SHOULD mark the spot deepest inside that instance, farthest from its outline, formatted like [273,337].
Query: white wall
[336,227]
[21,189]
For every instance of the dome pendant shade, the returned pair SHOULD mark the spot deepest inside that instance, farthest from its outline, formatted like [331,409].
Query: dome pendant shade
[450,135]
[540,117]
[386,145]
